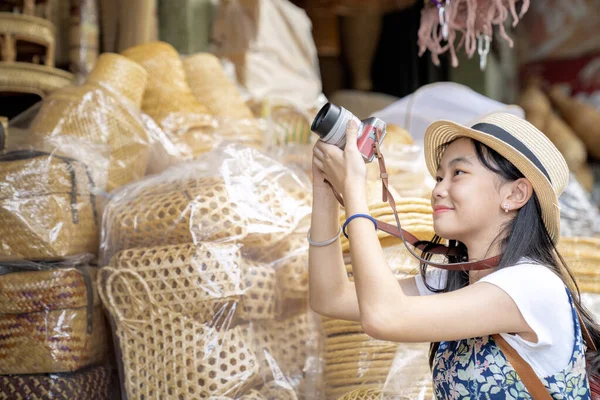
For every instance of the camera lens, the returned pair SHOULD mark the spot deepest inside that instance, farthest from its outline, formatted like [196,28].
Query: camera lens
[325,119]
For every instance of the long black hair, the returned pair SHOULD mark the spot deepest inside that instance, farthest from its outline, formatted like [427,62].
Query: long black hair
[524,236]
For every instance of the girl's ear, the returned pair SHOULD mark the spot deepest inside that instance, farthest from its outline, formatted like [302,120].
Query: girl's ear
[519,194]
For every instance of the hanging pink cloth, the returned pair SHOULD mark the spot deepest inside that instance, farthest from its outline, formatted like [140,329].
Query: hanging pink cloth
[469,17]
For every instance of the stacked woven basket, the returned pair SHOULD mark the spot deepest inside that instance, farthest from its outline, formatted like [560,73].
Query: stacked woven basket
[53,340]
[27,70]
[199,280]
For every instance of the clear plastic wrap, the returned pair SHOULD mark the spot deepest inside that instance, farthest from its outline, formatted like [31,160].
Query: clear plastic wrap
[199,263]
[51,319]
[98,121]
[48,207]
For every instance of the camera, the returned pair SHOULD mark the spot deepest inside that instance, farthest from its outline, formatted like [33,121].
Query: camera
[331,122]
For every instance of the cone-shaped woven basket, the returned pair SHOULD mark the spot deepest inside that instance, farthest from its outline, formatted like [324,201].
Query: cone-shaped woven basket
[169,100]
[213,88]
[101,112]
[166,352]
[47,207]
[45,321]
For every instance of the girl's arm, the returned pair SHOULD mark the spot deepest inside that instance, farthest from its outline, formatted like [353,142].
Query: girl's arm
[388,313]
[330,292]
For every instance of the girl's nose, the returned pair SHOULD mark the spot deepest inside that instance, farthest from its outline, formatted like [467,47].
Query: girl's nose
[440,190]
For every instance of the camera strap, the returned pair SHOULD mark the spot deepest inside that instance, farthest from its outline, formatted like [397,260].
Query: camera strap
[408,238]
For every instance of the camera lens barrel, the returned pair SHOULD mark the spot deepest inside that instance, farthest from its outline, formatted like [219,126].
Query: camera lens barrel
[326,119]
[331,122]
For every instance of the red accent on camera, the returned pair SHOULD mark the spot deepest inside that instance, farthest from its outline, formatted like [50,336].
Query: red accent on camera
[366,140]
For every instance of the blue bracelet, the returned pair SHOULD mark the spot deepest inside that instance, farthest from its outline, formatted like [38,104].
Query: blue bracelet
[367,216]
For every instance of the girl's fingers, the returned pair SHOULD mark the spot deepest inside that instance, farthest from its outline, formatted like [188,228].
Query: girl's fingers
[318,163]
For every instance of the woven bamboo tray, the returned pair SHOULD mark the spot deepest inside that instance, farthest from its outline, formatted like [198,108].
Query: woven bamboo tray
[188,279]
[353,359]
[168,352]
[47,208]
[18,30]
[89,384]
[46,325]
[180,212]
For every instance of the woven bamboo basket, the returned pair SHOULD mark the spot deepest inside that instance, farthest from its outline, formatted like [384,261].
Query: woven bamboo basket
[19,77]
[167,352]
[289,125]
[272,220]
[47,207]
[282,347]
[100,112]
[192,280]
[90,384]
[192,210]
[260,291]
[212,87]
[49,322]
[169,100]
[23,35]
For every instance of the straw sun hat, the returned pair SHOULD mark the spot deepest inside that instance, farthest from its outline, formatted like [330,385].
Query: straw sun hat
[526,147]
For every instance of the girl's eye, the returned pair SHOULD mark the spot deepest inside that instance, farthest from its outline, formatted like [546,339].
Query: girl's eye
[438,179]
[458,172]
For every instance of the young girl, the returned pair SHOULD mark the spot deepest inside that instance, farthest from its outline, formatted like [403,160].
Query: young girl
[496,194]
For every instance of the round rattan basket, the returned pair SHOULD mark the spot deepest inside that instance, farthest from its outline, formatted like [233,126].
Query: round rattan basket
[44,321]
[92,383]
[20,30]
[21,77]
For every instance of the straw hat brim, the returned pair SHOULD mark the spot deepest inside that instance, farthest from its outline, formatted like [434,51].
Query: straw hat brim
[442,132]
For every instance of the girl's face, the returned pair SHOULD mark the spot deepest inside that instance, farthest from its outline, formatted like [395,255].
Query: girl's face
[467,199]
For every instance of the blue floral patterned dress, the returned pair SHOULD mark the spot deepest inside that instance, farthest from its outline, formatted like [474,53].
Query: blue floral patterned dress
[477,369]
